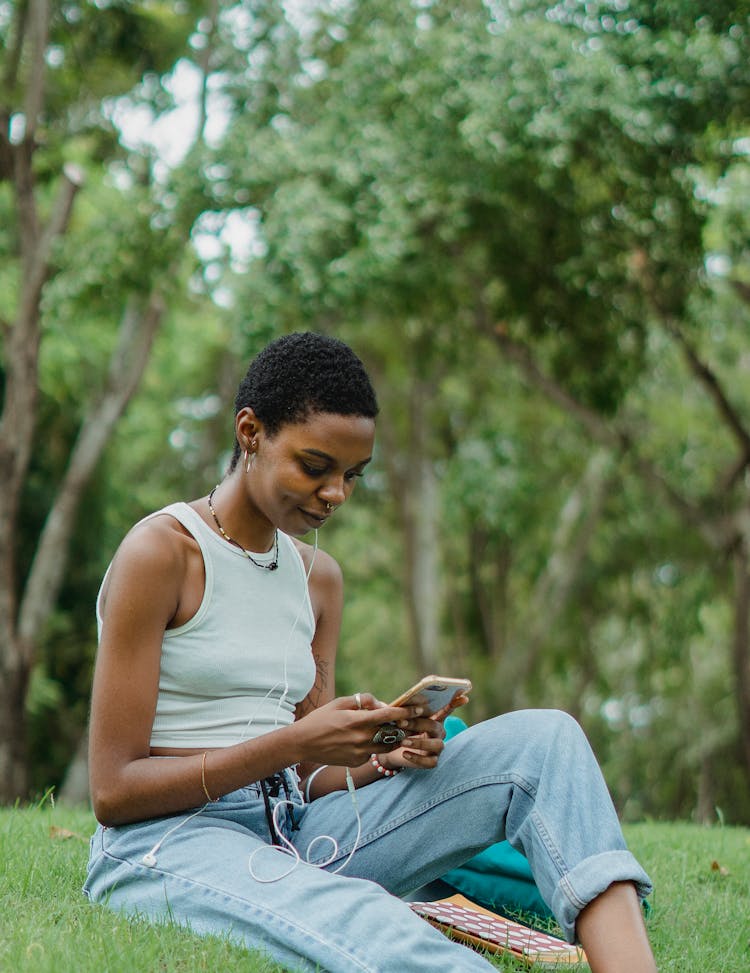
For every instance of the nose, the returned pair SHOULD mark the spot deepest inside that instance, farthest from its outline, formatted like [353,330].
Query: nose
[334,491]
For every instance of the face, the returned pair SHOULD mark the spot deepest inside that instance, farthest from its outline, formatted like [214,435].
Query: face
[308,465]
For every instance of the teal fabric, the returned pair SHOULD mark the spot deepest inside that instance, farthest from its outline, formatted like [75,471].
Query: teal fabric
[499,878]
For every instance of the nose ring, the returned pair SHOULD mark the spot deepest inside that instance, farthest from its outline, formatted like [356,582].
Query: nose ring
[329,507]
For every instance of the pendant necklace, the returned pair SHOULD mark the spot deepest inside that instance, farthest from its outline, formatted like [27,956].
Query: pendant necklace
[272,565]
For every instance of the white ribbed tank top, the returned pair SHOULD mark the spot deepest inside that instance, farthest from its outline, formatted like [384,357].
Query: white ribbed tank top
[240,665]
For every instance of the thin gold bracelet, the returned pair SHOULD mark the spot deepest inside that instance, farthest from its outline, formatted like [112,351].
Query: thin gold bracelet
[203,778]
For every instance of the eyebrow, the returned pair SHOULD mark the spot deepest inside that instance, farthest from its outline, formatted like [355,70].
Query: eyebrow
[330,459]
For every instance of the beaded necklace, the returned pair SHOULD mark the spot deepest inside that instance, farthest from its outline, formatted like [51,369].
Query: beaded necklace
[272,565]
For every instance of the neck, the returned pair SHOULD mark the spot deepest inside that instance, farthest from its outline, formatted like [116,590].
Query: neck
[239,517]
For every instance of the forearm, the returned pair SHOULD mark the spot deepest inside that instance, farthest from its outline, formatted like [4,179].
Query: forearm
[154,786]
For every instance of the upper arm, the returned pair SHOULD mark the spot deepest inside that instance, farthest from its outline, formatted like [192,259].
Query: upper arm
[142,596]
[327,597]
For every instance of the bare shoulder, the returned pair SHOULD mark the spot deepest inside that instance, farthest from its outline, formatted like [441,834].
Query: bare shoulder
[157,549]
[160,540]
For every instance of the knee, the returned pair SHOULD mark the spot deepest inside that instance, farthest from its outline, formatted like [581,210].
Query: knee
[535,733]
[546,730]
[557,721]
[561,734]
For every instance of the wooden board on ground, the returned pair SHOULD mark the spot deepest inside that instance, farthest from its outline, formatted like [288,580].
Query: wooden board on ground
[472,924]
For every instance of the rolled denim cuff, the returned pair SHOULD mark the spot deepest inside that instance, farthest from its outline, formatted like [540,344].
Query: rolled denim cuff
[589,879]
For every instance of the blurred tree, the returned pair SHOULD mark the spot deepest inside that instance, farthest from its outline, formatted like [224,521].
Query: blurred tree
[69,275]
[531,221]
[429,179]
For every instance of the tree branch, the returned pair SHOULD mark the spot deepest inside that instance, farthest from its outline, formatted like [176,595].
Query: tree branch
[128,361]
[22,354]
[204,61]
[39,12]
[614,436]
[577,522]
[741,644]
[708,379]
[18,33]
[38,246]
[6,150]
[741,289]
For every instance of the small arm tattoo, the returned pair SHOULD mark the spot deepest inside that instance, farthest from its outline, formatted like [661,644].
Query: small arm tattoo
[315,697]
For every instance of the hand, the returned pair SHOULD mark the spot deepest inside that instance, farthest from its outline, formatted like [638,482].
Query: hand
[426,753]
[421,749]
[340,732]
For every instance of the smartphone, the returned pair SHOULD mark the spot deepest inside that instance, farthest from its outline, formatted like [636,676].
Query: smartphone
[433,692]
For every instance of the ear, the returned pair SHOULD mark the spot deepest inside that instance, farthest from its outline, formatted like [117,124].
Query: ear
[247,426]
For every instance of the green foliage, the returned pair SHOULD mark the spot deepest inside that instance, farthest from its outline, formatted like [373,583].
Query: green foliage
[523,173]
[127,240]
[417,179]
[427,177]
[102,50]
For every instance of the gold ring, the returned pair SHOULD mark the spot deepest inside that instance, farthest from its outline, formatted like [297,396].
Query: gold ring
[358,700]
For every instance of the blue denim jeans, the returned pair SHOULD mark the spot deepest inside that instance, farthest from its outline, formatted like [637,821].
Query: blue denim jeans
[528,776]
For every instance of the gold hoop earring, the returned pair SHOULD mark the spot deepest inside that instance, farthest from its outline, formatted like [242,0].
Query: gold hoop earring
[250,455]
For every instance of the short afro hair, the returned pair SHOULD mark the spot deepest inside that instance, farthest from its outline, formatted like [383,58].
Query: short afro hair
[301,374]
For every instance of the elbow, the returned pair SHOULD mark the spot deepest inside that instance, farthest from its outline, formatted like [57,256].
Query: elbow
[105,810]
[109,805]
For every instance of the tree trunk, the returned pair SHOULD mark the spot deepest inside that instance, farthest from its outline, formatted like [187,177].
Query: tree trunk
[555,586]
[135,339]
[741,645]
[705,808]
[419,497]
[14,679]
[23,615]
[489,572]
[22,340]
[413,483]
[75,786]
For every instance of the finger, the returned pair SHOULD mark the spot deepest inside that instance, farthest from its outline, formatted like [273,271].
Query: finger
[421,760]
[370,702]
[428,745]
[363,701]
[458,700]
[399,714]
[427,726]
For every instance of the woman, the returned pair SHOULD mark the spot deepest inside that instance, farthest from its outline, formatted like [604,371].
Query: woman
[236,794]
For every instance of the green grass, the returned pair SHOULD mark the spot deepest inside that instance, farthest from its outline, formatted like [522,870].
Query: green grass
[700,919]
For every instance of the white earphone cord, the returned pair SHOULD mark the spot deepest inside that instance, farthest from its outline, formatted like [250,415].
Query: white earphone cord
[289,849]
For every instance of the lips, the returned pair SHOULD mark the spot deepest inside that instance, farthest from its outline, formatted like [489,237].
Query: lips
[315,518]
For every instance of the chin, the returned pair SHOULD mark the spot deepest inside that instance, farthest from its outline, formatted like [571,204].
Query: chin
[295,526]
[298,532]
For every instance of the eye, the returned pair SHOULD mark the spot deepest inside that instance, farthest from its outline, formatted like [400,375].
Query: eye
[351,474]
[313,470]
